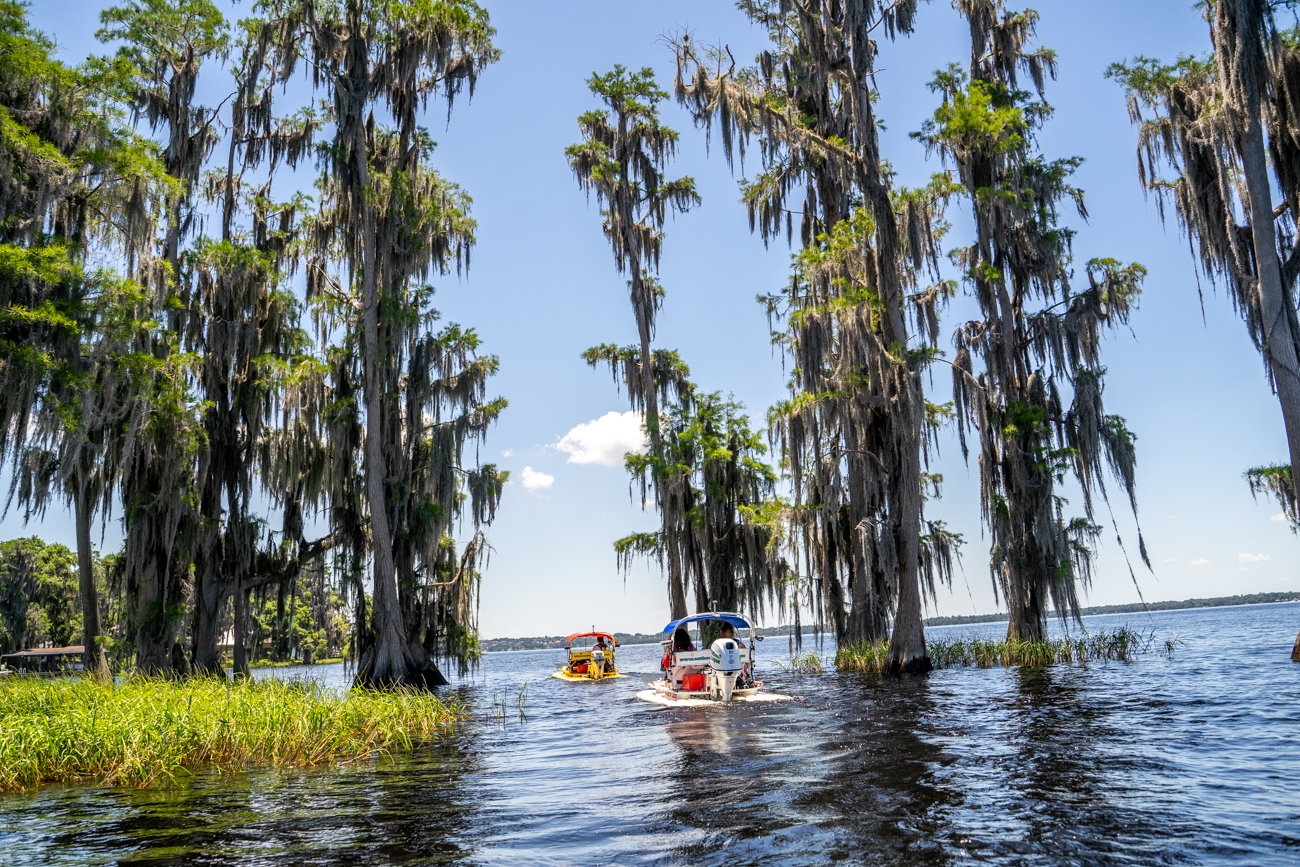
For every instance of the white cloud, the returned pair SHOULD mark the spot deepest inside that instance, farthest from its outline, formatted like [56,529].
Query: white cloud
[508,453]
[535,481]
[1252,558]
[1171,559]
[605,440]
[1280,517]
[1194,562]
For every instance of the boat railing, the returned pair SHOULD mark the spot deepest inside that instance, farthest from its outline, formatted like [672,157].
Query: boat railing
[702,657]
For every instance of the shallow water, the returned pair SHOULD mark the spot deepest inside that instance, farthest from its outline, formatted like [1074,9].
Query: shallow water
[1194,759]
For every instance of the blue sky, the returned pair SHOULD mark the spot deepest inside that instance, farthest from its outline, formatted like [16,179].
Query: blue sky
[543,287]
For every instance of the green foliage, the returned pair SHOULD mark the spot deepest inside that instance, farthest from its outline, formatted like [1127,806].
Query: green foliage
[159,35]
[38,595]
[976,114]
[1275,481]
[1148,78]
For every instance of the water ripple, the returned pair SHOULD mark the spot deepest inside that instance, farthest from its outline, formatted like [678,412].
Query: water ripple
[1189,760]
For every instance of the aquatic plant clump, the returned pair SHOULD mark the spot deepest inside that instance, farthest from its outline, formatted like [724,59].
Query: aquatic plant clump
[1119,644]
[147,731]
[808,663]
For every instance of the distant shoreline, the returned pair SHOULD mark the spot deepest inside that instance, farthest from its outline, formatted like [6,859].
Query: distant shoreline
[1135,607]
[493,645]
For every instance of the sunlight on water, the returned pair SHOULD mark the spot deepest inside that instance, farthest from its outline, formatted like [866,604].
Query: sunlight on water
[1185,760]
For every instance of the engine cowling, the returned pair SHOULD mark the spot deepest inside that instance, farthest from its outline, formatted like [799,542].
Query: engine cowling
[726,655]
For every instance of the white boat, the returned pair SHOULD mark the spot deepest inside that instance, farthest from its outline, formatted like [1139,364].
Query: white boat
[721,672]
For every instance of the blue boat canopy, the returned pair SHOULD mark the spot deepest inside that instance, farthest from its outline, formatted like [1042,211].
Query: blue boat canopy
[725,616]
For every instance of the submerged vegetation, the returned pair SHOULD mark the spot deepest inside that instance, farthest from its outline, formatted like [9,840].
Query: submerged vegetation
[1119,644]
[147,731]
[803,663]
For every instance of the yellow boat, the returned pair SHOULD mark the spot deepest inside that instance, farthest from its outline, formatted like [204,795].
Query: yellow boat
[591,657]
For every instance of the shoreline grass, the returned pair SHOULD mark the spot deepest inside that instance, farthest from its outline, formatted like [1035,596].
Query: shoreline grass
[146,731]
[293,663]
[1118,644]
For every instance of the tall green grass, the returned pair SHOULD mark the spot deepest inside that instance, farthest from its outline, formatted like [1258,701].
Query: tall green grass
[291,663]
[1119,644]
[145,731]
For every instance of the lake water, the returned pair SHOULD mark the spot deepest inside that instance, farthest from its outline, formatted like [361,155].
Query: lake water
[1193,759]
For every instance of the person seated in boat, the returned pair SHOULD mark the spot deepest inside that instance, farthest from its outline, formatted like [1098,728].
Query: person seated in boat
[729,631]
[600,645]
[681,642]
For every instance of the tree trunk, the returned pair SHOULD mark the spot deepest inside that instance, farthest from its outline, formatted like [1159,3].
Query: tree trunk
[207,609]
[676,589]
[388,663]
[907,653]
[152,644]
[1279,344]
[209,597]
[862,625]
[1025,617]
[240,630]
[676,585]
[94,660]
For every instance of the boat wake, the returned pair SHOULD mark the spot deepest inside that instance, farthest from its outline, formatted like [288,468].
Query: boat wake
[658,698]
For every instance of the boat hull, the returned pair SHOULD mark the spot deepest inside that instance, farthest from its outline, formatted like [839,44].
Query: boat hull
[661,693]
[585,678]
[699,699]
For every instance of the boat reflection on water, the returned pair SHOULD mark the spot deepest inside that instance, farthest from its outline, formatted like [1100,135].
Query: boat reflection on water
[725,792]
[716,734]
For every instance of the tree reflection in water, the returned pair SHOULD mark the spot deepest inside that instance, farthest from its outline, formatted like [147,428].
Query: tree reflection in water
[1058,789]
[881,793]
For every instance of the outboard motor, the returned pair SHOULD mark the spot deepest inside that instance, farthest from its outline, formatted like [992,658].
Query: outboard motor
[727,666]
[597,667]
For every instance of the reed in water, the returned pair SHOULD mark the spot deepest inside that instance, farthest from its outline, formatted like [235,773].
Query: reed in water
[145,731]
[804,663]
[1118,644]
